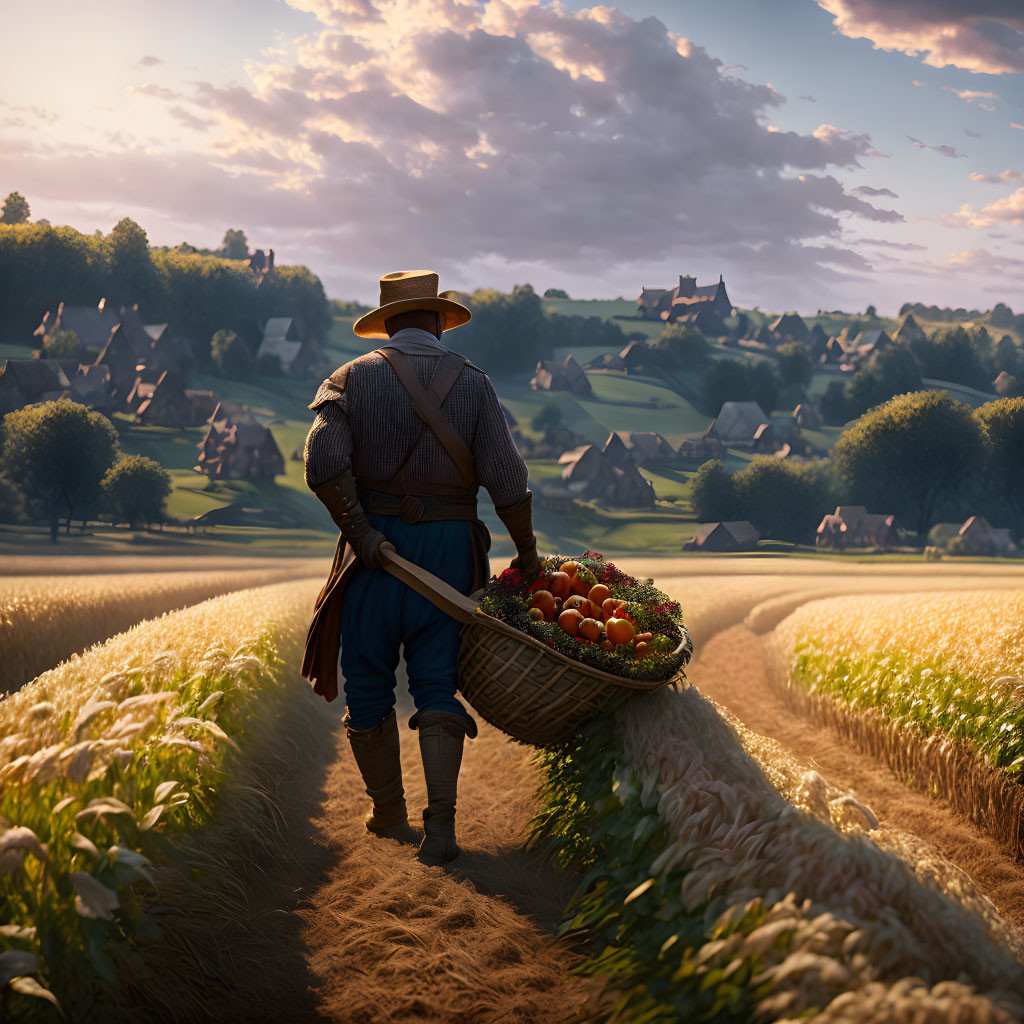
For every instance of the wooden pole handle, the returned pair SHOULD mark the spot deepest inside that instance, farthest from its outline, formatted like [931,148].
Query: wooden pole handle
[435,590]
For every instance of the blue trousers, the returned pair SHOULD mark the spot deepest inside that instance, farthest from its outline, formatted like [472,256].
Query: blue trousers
[381,614]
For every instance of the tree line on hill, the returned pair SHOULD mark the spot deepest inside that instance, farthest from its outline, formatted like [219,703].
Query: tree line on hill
[511,332]
[959,355]
[41,266]
[924,457]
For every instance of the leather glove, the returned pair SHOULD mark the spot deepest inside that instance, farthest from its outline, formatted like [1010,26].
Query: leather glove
[518,520]
[339,497]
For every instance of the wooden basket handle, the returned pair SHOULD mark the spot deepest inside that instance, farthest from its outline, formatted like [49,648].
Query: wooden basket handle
[435,590]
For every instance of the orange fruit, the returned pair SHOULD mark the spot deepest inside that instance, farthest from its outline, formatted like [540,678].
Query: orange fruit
[599,593]
[620,631]
[570,569]
[641,650]
[590,629]
[536,614]
[560,585]
[545,601]
[610,607]
[570,621]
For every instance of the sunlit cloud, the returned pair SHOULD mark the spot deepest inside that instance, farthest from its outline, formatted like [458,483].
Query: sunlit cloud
[1008,210]
[983,36]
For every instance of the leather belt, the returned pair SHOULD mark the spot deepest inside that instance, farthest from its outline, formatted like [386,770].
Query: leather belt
[416,508]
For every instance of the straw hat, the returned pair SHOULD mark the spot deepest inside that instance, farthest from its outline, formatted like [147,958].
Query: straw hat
[403,291]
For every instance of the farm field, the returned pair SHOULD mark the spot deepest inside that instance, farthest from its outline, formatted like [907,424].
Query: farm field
[319,920]
[45,618]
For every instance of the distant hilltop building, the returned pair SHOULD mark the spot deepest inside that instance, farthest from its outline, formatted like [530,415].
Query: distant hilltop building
[684,302]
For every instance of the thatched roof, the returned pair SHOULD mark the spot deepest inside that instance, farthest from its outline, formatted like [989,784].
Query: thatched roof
[33,377]
[790,325]
[737,421]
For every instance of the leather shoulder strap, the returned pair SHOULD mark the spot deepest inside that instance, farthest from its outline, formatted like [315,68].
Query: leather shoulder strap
[426,403]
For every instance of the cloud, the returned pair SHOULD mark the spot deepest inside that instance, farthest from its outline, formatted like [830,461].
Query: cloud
[981,261]
[973,135]
[884,243]
[867,190]
[1008,210]
[482,137]
[810,99]
[983,36]
[996,179]
[158,92]
[973,96]
[150,61]
[1013,124]
[949,151]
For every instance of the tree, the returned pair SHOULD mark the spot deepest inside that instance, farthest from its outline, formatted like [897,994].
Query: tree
[871,313]
[785,501]
[795,366]
[906,455]
[547,417]
[713,495]
[726,380]
[131,266]
[57,453]
[235,245]
[1007,355]
[893,371]
[15,209]
[231,355]
[135,490]
[1003,425]
[556,293]
[957,356]
[764,385]
[686,344]
[834,404]
[61,344]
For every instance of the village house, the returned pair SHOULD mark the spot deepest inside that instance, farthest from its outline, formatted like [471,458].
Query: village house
[807,416]
[567,375]
[588,474]
[26,381]
[737,423]
[238,449]
[702,449]
[765,441]
[910,331]
[119,357]
[739,535]
[169,351]
[91,324]
[852,526]
[636,447]
[684,302]
[281,341]
[1005,385]
[789,327]
[91,386]
[817,341]
[867,344]
[979,538]
[834,352]
[165,403]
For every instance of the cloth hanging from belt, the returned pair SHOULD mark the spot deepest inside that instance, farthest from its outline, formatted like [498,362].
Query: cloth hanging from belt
[414,498]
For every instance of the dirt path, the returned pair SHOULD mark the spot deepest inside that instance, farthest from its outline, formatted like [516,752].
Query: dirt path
[391,939]
[731,670]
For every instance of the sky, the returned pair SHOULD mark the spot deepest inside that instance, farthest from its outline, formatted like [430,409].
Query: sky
[819,154]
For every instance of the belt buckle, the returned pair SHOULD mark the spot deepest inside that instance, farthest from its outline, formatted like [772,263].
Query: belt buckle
[411,509]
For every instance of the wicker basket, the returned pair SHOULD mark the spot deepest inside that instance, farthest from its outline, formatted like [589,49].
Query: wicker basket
[528,690]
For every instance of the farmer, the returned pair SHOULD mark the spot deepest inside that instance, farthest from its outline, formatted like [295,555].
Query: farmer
[403,437]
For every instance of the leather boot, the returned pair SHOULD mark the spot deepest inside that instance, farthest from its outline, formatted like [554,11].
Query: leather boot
[378,758]
[441,738]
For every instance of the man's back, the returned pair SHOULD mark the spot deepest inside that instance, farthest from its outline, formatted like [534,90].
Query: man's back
[366,422]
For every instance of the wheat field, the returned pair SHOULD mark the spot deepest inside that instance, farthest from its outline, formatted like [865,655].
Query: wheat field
[46,618]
